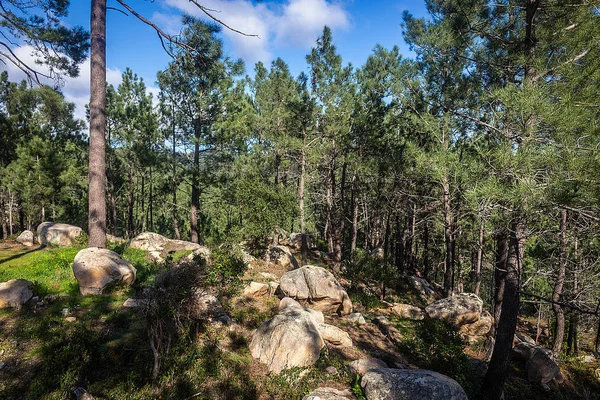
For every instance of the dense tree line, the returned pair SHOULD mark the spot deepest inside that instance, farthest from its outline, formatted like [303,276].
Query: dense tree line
[473,165]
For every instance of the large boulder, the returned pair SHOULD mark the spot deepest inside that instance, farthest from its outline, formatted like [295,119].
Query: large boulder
[26,238]
[295,241]
[95,269]
[289,339]
[58,234]
[327,393]
[541,368]
[159,246]
[282,255]
[478,328]
[207,306]
[460,309]
[317,287]
[15,293]
[405,384]
[408,311]
[424,288]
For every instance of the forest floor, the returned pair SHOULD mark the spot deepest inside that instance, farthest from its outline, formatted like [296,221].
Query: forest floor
[65,341]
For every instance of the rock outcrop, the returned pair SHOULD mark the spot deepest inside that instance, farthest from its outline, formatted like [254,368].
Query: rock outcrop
[95,269]
[318,287]
[327,393]
[363,365]
[159,246]
[255,289]
[541,368]
[405,384]
[408,311]
[460,309]
[295,241]
[58,234]
[282,255]
[289,339]
[15,293]
[334,335]
[26,238]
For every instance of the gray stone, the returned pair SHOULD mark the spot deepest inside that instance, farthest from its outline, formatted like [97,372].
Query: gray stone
[460,309]
[268,275]
[356,318]
[281,255]
[363,365]
[408,311]
[295,241]
[255,289]
[58,234]
[334,335]
[405,384]
[327,393]
[208,306]
[15,293]
[289,339]
[331,370]
[95,269]
[26,238]
[159,246]
[541,368]
[317,287]
[423,287]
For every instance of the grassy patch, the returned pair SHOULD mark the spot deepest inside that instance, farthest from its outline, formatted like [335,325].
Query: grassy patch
[49,269]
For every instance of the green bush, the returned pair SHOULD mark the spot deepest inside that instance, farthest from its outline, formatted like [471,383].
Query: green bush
[437,346]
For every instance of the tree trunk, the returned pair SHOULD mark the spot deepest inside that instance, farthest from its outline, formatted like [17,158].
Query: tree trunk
[426,263]
[130,204]
[143,203]
[479,258]
[304,243]
[97,172]
[448,240]
[354,213]
[3,217]
[174,182]
[195,209]
[493,385]
[151,203]
[559,313]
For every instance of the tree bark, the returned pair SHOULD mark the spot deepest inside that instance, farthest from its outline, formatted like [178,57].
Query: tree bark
[479,258]
[174,182]
[195,209]
[559,313]
[354,213]
[493,385]
[97,172]
[3,217]
[304,243]
[448,240]
[426,263]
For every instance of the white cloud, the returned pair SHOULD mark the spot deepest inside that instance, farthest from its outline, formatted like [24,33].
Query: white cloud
[76,90]
[303,20]
[296,23]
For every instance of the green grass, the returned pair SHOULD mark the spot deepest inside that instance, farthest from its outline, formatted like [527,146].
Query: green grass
[49,269]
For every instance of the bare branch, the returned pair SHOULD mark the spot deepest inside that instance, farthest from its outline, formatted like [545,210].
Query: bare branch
[208,11]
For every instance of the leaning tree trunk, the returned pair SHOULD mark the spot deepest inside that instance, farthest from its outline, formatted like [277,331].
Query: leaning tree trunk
[97,172]
[559,313]
[493,384]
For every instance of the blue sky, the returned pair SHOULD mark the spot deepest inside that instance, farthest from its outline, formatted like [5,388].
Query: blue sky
[286,29]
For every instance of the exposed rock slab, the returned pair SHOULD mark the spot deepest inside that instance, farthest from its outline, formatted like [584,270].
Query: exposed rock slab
[334,335]
[317,287]
[290,339]
[255,289]
[26,238]
[404,384]
[15,293]
[160,246]
[363,365]
[327,393]
[460,309]
[408,311]
[95,269]
[58,234]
